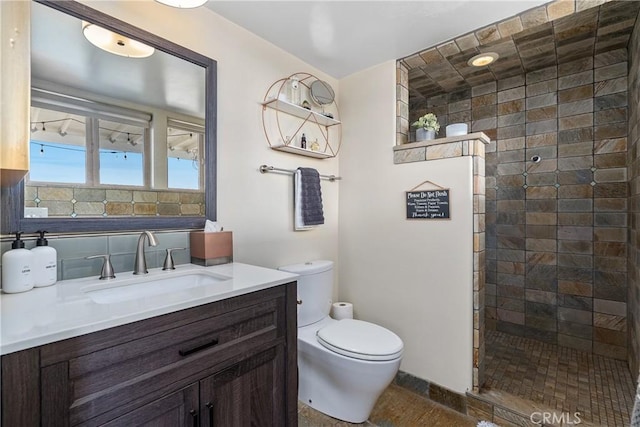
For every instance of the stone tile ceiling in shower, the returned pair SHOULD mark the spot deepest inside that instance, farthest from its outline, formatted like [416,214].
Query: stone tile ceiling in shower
[528,42]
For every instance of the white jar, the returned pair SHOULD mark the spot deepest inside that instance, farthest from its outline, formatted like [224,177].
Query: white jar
[17,268]
[45,263]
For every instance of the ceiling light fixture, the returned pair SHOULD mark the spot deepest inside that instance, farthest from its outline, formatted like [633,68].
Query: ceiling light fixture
[114,42]
[483,59]
[183,4]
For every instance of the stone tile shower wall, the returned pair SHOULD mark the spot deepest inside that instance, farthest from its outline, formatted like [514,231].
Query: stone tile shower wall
[555,229]
[633,162]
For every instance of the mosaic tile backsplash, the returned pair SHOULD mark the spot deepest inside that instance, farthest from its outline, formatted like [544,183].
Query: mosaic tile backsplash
[73,202]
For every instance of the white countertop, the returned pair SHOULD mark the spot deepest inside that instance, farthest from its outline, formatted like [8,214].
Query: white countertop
[64,310]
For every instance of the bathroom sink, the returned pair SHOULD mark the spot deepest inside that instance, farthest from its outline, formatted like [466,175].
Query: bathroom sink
[174,286]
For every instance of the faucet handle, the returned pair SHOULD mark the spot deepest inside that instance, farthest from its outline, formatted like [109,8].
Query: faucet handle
[168,260]
[107,268]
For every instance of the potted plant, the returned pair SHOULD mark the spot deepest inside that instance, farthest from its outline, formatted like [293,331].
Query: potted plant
[427,127]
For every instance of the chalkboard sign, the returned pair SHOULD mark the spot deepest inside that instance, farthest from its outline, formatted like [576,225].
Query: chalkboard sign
[428,204]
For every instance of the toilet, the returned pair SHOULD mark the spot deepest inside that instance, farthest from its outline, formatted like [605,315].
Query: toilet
[344,365]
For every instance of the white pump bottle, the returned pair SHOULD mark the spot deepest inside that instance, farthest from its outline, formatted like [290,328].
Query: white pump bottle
[17,268]
[45,263]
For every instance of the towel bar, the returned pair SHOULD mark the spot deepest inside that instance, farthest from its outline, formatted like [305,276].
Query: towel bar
[265,169]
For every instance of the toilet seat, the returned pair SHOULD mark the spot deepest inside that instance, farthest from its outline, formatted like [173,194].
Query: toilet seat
[360,340]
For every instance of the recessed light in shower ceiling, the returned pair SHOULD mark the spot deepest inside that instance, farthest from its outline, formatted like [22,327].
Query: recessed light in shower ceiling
[483,59]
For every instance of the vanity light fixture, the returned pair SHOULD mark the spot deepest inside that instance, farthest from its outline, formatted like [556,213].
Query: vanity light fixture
[114,42]
[483,59]
[183,4]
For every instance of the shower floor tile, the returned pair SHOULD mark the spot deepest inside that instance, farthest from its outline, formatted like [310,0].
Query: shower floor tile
[601,389]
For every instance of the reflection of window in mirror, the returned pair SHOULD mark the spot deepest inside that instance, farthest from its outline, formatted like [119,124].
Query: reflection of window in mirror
[121,153]
[185,146]
[74,148]
[58,147]
[98,158]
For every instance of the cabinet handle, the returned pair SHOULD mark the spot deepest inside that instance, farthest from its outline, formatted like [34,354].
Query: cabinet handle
[194,414]
[198,348]
[209,406]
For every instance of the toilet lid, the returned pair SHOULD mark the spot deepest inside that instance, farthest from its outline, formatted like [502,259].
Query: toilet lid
[360,340]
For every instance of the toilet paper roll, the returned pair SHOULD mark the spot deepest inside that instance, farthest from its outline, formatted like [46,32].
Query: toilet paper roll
[342,310]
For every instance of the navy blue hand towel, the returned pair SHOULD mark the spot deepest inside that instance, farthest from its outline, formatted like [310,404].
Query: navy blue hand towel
[311,197]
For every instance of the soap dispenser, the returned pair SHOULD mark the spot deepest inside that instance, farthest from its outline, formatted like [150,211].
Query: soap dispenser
[17,268]
[45,262]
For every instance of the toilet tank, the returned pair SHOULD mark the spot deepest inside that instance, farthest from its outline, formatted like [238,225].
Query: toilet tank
[315,288]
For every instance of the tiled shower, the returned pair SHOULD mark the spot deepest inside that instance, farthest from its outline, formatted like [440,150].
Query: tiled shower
[556,207]
[633,233]
[562,200]
[556,267]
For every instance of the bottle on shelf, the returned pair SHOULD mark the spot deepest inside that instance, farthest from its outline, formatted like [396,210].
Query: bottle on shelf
[303,141]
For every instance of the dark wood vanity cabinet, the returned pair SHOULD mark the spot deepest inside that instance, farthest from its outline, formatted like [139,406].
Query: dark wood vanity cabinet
[227,363]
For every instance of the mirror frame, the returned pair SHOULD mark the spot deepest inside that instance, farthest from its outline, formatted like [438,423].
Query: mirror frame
[13,197]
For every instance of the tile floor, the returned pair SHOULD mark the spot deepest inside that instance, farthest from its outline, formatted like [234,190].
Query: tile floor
[598,387]
[397,407]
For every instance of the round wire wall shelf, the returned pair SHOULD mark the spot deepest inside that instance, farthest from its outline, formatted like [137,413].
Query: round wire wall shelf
[286,116]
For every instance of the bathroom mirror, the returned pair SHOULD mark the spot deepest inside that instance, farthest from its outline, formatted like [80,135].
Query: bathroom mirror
[77,100]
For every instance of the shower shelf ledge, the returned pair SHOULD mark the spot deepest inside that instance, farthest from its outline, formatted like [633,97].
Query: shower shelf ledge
[477,136]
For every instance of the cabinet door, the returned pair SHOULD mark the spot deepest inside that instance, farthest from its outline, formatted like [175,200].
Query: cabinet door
[15,85]
[20,389]
[178,409]
[250,393]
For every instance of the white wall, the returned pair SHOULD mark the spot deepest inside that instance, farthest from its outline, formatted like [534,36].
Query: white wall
[258,208]
[412,276]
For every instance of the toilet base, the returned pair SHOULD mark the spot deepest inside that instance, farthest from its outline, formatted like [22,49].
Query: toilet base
[341,387]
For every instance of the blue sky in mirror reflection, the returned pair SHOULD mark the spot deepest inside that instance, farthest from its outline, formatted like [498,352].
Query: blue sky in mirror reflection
[60,163]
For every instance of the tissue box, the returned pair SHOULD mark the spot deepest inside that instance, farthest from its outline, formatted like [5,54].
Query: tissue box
[211,248]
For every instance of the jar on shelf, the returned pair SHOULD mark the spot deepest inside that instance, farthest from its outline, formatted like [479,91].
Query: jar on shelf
[293,91]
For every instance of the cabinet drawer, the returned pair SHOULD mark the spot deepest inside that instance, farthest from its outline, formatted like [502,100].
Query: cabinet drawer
[96,371]
[71,348]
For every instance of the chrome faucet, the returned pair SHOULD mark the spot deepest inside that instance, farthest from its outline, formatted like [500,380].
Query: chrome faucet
[140,264]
